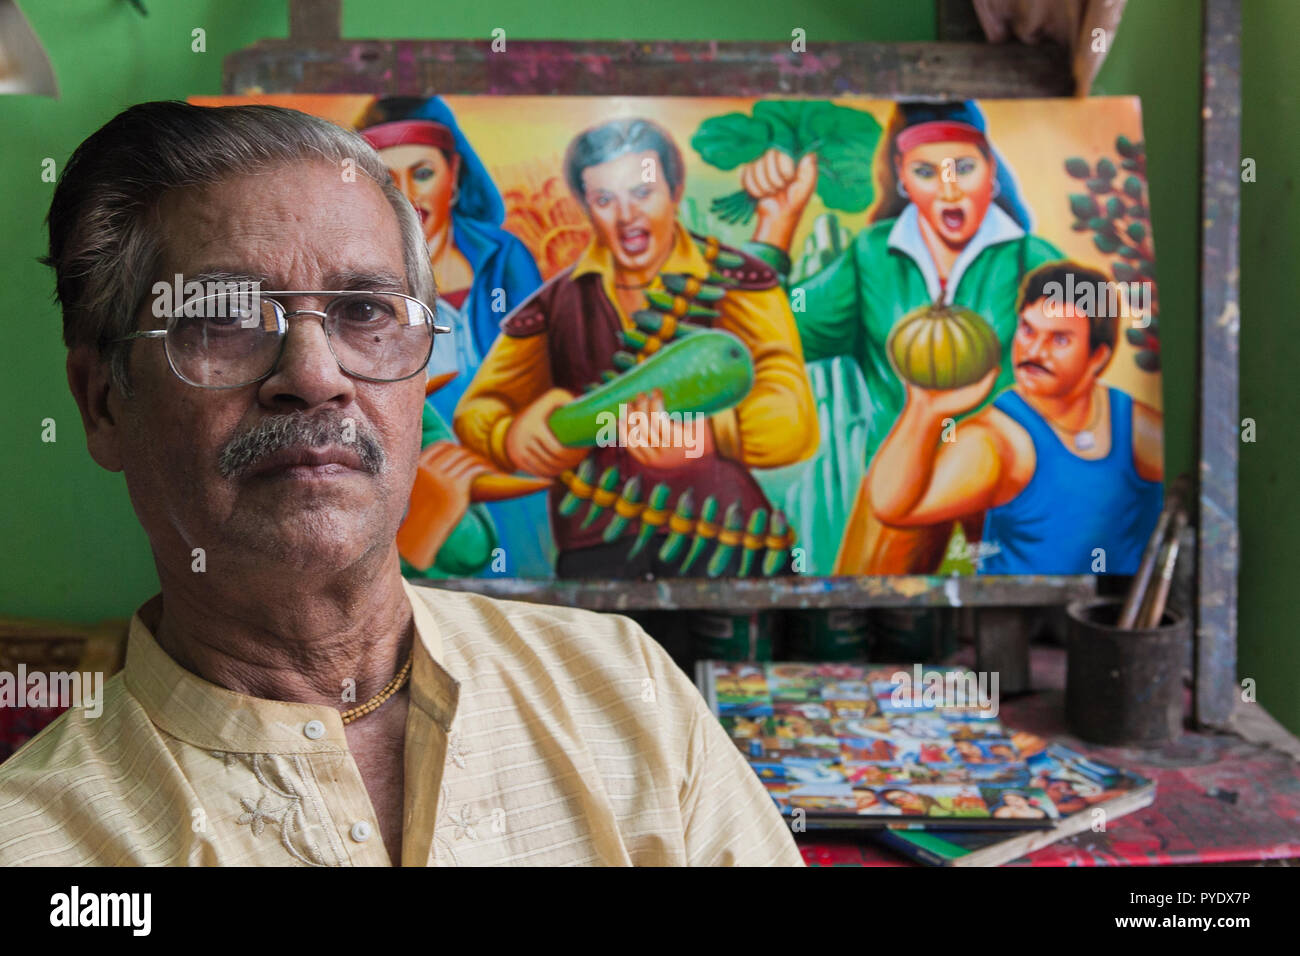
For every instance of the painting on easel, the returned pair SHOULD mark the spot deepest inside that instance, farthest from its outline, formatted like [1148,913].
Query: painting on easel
[720,337]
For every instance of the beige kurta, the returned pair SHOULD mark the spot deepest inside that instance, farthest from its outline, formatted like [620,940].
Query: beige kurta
[536,735]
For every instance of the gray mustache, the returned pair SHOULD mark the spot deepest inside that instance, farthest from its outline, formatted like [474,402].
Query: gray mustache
[297,430]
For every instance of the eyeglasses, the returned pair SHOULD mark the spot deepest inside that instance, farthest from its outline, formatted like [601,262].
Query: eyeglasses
[232,339]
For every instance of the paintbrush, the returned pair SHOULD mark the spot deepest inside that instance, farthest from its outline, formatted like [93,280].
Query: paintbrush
[1154,608]
[1137,591]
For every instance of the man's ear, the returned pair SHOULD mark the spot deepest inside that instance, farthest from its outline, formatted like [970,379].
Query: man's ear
[88,377]
[1099,359]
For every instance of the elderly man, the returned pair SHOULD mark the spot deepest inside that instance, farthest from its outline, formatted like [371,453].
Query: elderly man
[288,699]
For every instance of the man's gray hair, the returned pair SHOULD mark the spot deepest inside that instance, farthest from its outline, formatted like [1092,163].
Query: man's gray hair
[104,233]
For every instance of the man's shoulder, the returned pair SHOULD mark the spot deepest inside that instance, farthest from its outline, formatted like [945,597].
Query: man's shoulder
[600,705]
[602,656]
[70,737]
[744,270]
[1005,415]
[532,317]
[1005,436]
[53,783]
[466,618]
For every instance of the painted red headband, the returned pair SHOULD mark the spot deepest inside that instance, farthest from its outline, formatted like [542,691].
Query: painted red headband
[939,131]
[410,133]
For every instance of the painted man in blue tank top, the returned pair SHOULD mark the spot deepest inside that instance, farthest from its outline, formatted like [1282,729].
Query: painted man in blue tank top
[1067,470]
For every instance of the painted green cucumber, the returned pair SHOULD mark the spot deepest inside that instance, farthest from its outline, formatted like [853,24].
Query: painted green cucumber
[706,372]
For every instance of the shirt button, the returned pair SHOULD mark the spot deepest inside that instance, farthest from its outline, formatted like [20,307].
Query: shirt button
[361,831]
[314,730]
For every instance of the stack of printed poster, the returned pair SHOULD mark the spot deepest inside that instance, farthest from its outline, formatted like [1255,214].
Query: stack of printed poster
[917,754]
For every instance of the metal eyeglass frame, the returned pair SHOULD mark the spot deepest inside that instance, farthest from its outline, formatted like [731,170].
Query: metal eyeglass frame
[282,322]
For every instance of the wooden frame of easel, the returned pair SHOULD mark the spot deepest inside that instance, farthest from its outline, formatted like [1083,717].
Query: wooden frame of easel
[314,59]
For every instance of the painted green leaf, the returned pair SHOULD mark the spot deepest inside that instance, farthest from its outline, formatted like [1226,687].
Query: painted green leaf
[1125,272]
[1136,231]
[1078,168]
[1136,337]
[1138,211]
[1148,361]
[1131,164]
[1101,225]
[1083,205]
[784,119]
[1106,169]
[1133,187]
[731,140]
[1104,243]
[1099,186]
[1127,148]
[844,140]
[1114,208]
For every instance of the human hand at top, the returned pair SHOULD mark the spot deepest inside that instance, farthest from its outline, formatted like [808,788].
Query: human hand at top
[781,189]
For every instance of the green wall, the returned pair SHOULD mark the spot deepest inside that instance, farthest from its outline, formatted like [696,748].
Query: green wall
[1270,353]
[72,546]
[1157,56]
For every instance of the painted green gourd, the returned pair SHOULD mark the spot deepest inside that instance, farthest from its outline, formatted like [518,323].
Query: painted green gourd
[705,372]
[943,346]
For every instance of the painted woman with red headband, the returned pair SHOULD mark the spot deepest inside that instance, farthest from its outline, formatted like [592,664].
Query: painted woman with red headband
[483,271]
[947,226]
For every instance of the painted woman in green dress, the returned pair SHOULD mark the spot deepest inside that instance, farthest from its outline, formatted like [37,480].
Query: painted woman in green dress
[947,226]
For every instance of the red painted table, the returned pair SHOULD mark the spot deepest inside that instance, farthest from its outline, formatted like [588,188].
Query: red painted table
[1220,798]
